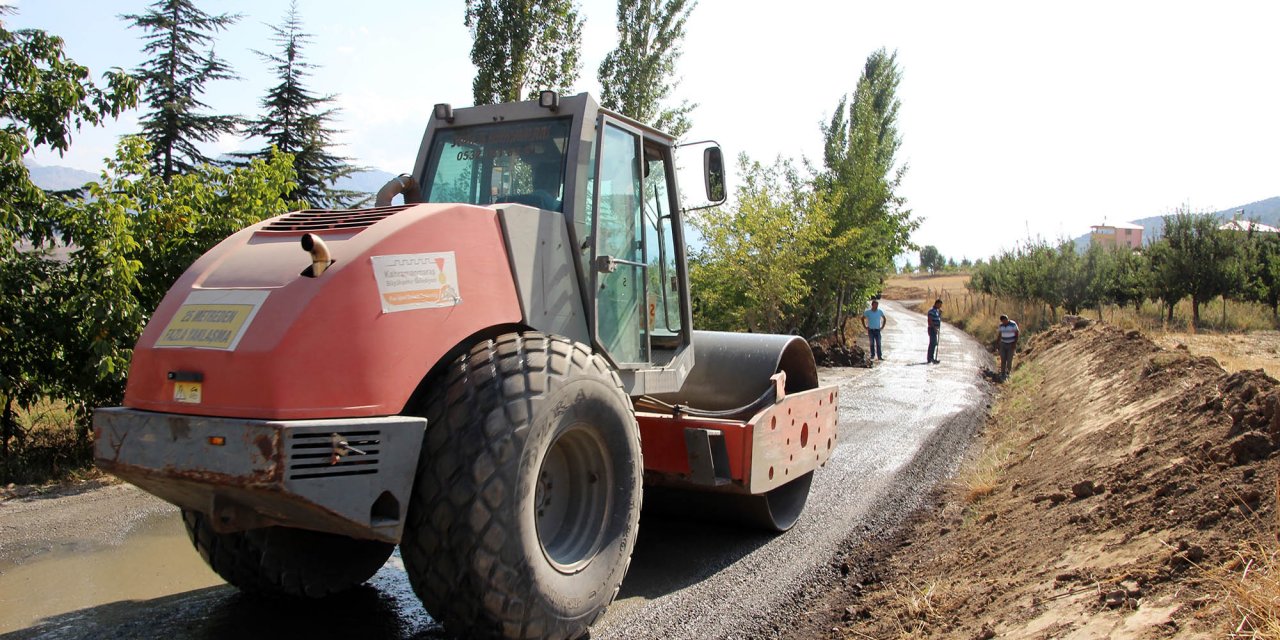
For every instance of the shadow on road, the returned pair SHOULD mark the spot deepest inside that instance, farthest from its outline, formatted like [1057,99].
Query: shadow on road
[674,551]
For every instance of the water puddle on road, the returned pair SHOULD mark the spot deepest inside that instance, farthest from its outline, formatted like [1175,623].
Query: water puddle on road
[155,559]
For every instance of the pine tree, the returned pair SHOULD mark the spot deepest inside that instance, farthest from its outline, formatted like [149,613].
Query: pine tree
[522,47]
[173,79]
[637,76]
[296,121]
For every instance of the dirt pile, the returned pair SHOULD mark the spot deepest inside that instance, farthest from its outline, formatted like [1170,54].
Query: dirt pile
[1116,487]
[833,355]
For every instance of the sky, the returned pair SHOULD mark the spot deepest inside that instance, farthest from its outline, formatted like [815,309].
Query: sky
[1018,120]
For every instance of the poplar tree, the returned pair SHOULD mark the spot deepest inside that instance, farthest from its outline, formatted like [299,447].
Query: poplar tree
[860,171]
[639,75]
[522,47]
[174,78]
[297,121]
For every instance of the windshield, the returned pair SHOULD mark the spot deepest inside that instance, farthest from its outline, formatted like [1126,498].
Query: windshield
[520,162]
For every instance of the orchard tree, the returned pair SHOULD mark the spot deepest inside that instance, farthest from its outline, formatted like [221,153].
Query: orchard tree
[1124,277]
[44,98]
[521,47]
[639,75]
[296,121]
[180,62]
[1204,258]
[1264,270]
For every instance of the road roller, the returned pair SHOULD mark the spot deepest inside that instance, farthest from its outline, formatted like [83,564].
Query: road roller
[489,367]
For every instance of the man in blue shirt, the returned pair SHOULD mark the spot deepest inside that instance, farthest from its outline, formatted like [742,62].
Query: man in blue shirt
[934,325]
[873,321]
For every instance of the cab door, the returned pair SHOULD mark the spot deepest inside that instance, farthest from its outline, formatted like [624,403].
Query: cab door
[619,272]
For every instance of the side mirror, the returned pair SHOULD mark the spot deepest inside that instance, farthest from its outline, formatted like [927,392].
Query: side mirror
[713,174]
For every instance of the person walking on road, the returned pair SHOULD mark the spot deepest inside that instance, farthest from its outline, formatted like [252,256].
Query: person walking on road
[1008,331]
[873,320]
[934,326]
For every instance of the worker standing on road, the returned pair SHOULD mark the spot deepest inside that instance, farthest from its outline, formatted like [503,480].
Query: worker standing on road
[873,320]
[1008,331]
[934,326]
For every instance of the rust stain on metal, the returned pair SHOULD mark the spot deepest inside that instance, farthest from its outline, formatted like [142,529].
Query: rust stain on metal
[265,446]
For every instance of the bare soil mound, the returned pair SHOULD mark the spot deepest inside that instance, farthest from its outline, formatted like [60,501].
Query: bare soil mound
[1115,496]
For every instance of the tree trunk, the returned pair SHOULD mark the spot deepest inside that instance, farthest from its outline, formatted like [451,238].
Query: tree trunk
[1224,313]
[1195,313]
[8,424]
[1169,319]
[841,320]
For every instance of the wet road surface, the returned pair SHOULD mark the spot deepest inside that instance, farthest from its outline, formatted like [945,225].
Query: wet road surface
[903,427]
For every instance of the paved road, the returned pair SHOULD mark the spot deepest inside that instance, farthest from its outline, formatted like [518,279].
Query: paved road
[903,426]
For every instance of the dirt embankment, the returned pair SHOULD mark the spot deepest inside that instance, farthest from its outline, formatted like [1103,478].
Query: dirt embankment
[1117,489]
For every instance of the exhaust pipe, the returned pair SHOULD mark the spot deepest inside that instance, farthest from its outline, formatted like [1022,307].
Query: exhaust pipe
[403,183]
[319,251]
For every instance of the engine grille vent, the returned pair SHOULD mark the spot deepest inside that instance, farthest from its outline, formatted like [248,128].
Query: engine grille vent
[334,454]
[329,219]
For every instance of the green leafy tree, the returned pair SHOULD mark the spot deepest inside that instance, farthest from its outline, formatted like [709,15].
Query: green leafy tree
[1199,256]
[1264,270]
[930,259]
[521,47]
[637,77]
[1124,277]
[44,98]
[174,78]
[132,237]
[860,175]
[750,273]
[298,122]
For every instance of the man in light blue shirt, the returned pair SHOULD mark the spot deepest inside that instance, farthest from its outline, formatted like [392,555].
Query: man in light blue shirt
[873,321]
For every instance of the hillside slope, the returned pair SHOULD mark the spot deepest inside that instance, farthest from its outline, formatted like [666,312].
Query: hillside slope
[1264,211]
[1117,492]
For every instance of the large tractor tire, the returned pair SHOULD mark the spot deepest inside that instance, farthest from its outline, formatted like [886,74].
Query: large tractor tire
[283,561]
[525,507]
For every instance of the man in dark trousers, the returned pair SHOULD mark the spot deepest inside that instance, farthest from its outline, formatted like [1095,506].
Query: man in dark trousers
[1008,337]
[935,325]
[873,320]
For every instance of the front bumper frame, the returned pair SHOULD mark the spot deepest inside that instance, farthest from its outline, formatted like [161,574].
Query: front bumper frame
[349,476]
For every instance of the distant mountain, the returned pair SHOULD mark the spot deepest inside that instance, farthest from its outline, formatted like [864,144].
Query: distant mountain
[58,178]
[63,178]
[1264,211]
[365,181]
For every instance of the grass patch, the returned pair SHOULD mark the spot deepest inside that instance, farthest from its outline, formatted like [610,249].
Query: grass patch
[1014,410]
[48,447]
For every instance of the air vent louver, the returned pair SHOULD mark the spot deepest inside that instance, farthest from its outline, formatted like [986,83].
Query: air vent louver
[311,455]
[327,219]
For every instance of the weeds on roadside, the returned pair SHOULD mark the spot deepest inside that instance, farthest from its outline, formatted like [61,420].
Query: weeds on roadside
[47,446]
[1253,590]
[983,475]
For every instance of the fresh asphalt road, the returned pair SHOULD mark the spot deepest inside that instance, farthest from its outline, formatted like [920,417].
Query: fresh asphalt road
[115,563]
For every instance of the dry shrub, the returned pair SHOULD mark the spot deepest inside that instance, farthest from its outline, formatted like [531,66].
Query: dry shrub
[1252,586]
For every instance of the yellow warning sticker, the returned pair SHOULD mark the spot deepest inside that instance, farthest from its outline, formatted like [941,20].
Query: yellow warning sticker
[188,392]
[212,320]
